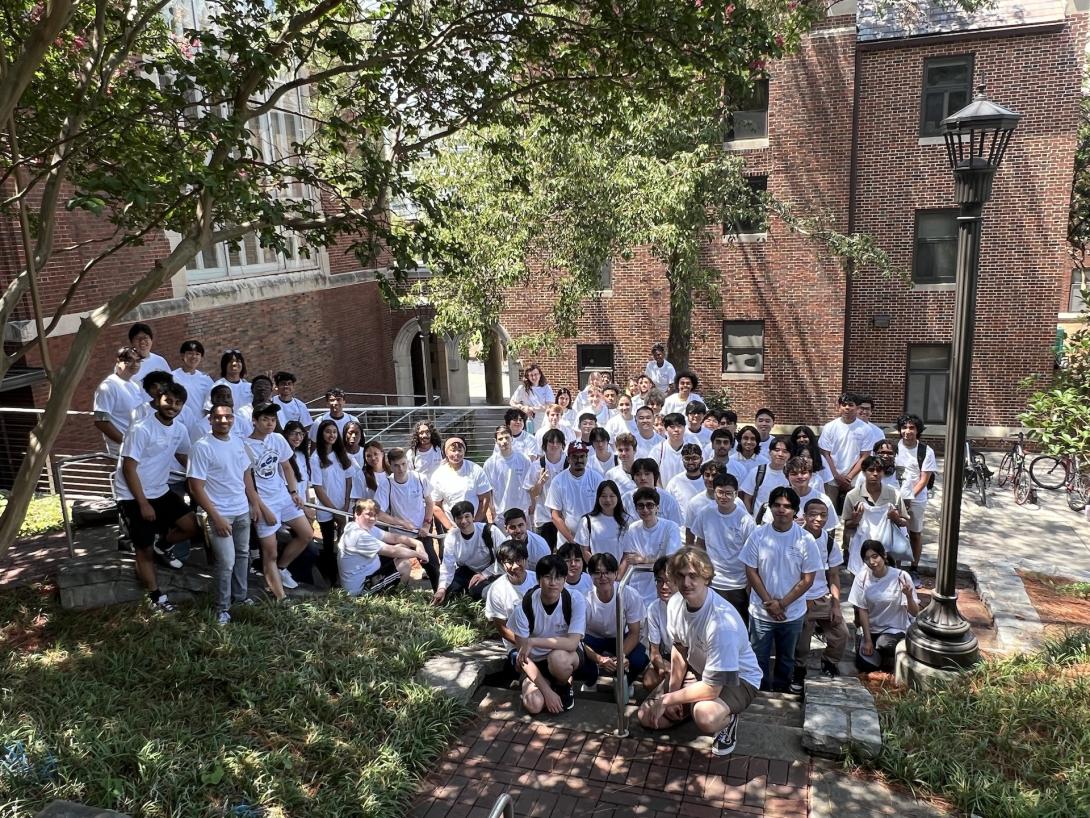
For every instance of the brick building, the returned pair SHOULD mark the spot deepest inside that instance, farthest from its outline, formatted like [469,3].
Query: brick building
[848,128]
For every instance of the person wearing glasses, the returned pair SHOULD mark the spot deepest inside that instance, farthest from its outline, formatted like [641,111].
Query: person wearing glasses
[141,338]
[649,538]
[600,640]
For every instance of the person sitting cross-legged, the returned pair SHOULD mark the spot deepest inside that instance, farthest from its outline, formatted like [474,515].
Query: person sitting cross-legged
[548,625]
[370,560]
[600,642]
[710,641]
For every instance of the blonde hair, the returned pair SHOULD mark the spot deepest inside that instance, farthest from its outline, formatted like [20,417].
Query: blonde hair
[364,505]
[695,559]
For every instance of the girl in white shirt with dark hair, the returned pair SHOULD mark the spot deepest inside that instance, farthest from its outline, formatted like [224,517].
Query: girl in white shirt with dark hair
[534,394]
[886,603]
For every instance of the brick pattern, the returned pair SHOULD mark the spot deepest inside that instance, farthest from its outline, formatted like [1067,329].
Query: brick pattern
[550,771]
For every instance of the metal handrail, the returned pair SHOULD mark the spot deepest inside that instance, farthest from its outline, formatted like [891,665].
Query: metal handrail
[395,529]
[59,464]
[505,806]
[619,683]
[430,400]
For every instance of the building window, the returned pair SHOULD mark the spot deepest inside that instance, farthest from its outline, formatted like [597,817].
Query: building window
[744,347]
[754,219]
[1075,301]
[935,260]
[594,358]
[928,381]
[605,275]
[750,119]
[947,88]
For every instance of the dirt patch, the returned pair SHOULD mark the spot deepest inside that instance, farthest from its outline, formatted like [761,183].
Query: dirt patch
[1058,612]
[980,619]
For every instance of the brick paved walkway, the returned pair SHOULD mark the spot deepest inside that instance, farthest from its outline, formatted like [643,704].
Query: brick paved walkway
[550,771]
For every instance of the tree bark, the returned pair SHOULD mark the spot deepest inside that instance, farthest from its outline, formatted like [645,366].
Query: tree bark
[681,321]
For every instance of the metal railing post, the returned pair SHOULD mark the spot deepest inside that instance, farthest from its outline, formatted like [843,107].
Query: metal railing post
[505,806]
[58,481]
[619,683]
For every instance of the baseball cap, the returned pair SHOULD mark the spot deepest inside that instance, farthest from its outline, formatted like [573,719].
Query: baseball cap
[578,446]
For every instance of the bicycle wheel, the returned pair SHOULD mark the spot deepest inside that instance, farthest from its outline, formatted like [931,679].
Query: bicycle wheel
[1006,469]
[1079,494]
[1023,488]
[981,470]
[1048,472]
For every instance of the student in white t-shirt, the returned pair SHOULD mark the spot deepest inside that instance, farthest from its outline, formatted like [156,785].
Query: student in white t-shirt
[722,531]
[649,538]
[646,436]
[411,508]
[541,475]
[522,441]
[914,464]
[425,449]
[804,443]
[371,560]
[335,400]
[261,389]
[747,453]
[690,482]
[621,474]
[764,420]
[600,640]
[116,397]
[577,579]
[335,468]
[469,556]
[548,625]
[457,479]
[153,447]
[822,600]
[705,499]
[140,337]
[645,474]
[686,386]
[517,529]
[552,420]
[660,371]
[624,422]
[233,375]
[781,561]
[644,385]
[506,471]
[221,482]
[506,592]
[601,457]
[291,408]
[759,482]
[668,453]
[198,385]
[603,530]
[710,641]
[885,604]
[533,394]
[572,492]
[719,448]
[844,442]
[658,632]
[270,459]
[800,479]
[886,453]
[874,433]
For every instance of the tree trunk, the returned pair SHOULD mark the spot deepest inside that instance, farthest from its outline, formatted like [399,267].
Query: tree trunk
[681,321]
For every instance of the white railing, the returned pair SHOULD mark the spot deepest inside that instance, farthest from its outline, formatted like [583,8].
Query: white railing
[620,683]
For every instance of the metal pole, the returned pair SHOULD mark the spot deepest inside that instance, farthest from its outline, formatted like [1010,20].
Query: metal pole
[619,680]
[58,479]
[940,636]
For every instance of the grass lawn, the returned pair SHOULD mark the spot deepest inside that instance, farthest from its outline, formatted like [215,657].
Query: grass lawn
[1009,740]
[43,515]
[302,711]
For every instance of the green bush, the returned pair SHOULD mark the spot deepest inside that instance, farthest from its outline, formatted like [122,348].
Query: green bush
[42,517]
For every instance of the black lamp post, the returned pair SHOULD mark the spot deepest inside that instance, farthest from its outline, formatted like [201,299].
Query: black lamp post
[976,139]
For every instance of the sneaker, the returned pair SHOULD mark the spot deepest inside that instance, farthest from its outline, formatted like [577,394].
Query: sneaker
[727,738]
[287,580]
[166,553]
[829,670]
[247,602]
[797,681]
[223,618]
[163,605]
[567,696]
[587,687]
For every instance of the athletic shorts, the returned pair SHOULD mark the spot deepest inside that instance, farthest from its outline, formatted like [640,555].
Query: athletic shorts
[583,673]
[285,513]
[915,515]
[168,510]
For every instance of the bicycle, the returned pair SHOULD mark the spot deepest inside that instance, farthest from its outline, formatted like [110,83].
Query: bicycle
[976,474]
[1051,472]
[1013,462]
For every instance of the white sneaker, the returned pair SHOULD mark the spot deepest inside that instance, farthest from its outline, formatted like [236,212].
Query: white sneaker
[287,579]
[223,618]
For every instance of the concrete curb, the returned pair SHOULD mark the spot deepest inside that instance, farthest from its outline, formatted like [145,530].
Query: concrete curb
[458,673]
[1017,625]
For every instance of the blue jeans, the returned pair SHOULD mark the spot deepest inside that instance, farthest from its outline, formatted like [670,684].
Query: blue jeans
[232,561]
[785,636]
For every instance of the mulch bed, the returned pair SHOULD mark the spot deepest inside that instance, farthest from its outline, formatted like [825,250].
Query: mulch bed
[1059,613]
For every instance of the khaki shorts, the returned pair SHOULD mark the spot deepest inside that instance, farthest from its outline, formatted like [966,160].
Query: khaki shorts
[738,697]
[915,515]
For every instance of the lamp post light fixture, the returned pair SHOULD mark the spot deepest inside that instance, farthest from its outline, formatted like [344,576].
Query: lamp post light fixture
[976,140]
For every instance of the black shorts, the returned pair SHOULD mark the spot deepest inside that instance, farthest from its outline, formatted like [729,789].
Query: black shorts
[168,510]
[386,577]
[583,673]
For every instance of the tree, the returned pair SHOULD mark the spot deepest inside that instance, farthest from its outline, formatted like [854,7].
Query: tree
[110,107]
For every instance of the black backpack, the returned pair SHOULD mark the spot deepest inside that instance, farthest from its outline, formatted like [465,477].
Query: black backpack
[921,455]
[760,477]
[528,607]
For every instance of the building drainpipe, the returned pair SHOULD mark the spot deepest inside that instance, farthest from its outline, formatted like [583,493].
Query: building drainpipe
[853,181]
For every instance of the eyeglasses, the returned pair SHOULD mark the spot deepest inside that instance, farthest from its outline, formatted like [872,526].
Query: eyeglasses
[647,505]
[662,580]
[603,573]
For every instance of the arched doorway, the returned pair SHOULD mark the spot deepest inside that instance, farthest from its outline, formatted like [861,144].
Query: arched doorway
[494,376]
[432,367]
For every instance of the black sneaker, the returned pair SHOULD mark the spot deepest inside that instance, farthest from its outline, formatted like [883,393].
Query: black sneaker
[726,739]
[165,552]
[797,680]
[829,670]
[162,605]
[567,696]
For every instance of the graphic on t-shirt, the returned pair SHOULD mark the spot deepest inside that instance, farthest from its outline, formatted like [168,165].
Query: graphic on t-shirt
[266,464]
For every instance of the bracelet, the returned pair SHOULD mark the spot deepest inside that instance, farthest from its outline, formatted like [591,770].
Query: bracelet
[293,491]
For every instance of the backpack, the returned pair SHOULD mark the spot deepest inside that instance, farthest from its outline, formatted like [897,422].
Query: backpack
[486,535]
[921,455]
[528,607]
[760,477]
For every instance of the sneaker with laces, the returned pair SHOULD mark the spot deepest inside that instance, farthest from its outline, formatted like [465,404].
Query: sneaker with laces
[162,605]
[287,580]
[726,739]
[223,618]
[798,680]
[829,670]
[567,696]
[165,552]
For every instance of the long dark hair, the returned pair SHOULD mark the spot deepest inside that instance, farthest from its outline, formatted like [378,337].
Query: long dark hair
[811,448]
[619,513]
[304,447]
[436,438]
[752,430]
[227,357]
[337,447]
[368,472]
[345,437]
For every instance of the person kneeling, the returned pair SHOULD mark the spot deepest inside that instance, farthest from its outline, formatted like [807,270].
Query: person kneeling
[600,643]
[548,626]
[711,641]
[371,561]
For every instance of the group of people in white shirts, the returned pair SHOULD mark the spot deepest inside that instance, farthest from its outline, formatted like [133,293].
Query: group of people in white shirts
[738,534]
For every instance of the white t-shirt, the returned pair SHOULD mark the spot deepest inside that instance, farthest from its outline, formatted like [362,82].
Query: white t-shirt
[549,623]
[541,510]
[884,599]
[831,557]
[334,480]
[536,397]
[341,422]
[646,445]
[357,556]
[153,363]
[265,459]
[241,393]
[669,460]
[153,446]
[540,433]
[724,536]
[197,386]
[310,473]
[602,535]
[467,483]
[676,403]
[502,598]
[617,426]
[507,476]
[662,540]
[770,479]
[601,466]
[744,466]
[602,616]
[781,558]
[407,499]
[908,459]
[525,444]
[685,489]
[715,640]
[115,398]
[872,434]
[222,465]
[696,504]
[622,478]
[361,491]
[661,376]
[536,548]
[573,496]
[844,441]
[580,586]
[813,494]
[471,552]
[658,632]
[669,508]
[425,463]
[294,409]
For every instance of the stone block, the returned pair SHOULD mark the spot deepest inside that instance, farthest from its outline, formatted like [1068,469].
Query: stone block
[865,731]
[825,729]
[912,673]
[69,809]
[458,674]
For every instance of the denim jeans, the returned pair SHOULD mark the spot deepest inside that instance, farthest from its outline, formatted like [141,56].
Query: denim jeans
[232,561]
[785,636]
